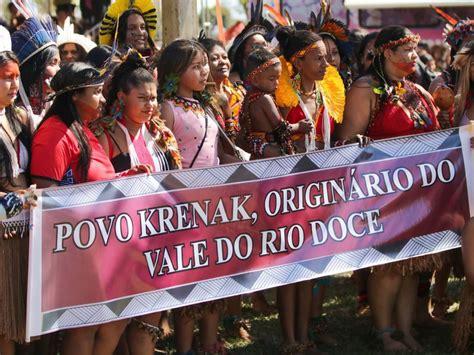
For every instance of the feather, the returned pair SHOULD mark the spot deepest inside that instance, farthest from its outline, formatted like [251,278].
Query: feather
[5,40]
[333,91]
[145,7]
[289,19]
[282,21]
[452,21]
[335,27]
[67,35]
[33,35]
[258,12]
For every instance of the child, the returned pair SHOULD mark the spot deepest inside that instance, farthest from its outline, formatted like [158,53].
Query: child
[183,72]
[266,132]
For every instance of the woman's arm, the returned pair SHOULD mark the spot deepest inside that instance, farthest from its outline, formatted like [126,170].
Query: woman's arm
[360,102]
[166,114]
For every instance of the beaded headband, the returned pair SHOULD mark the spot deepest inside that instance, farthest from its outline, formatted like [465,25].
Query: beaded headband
[96,80]
[262,68]
[396,43]
[302,52]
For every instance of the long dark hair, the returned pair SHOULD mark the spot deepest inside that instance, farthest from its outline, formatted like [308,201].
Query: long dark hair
[70,75]
[132,73]
[123,27]
[175,59]
[361,48]
[292,41]
[14,120]
[32,70]
[210,43]
[387,34]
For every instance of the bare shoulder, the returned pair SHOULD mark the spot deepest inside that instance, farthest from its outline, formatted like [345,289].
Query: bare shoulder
[365,82]
[166,114]
[264,100]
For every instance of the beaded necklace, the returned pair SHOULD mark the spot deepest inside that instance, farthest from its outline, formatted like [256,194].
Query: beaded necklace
[412,99]
[188,105]
[314,93]
[280,134]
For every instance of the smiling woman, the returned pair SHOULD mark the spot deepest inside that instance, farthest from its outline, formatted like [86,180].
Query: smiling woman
[132,24]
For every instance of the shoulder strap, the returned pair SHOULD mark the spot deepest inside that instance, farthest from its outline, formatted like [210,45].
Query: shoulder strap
[203,139]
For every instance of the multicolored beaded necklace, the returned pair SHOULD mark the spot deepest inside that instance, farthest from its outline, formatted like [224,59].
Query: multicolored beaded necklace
[188,105]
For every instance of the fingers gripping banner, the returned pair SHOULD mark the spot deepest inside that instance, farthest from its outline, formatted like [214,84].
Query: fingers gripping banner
[117,249]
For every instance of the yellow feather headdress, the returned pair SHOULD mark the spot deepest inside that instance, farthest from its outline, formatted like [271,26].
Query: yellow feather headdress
[145,7]
[332,88]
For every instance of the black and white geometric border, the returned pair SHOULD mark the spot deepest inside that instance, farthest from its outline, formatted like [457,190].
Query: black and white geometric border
[245,283]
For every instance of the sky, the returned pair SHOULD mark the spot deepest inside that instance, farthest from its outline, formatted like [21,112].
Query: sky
[237,9]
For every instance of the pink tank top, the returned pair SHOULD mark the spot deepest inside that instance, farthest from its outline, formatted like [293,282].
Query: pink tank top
[189,129]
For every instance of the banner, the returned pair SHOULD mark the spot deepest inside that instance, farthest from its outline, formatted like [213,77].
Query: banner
[121,248]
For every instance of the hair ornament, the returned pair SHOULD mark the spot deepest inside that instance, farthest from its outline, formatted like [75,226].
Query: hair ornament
[108,27]
[32,37]
[303,52]
[67,35]
[261,68]
[5,40]
[395,43]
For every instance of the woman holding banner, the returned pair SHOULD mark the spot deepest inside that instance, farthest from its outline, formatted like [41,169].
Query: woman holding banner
[133,133]
[464,113]
[65,152]
[385,104]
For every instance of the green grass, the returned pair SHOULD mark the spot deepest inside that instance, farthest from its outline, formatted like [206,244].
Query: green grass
[354,333]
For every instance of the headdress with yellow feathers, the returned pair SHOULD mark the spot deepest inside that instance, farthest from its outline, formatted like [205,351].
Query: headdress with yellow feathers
[108,26]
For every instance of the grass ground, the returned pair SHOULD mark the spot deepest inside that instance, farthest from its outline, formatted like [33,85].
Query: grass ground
[354,333]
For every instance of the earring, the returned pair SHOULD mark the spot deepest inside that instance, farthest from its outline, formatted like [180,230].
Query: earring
[170,88]
[117,109]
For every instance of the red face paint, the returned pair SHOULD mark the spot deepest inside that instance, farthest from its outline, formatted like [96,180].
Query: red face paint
[9,70]
[407,68]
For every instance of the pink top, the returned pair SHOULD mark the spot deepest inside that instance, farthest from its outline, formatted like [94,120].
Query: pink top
[189,129]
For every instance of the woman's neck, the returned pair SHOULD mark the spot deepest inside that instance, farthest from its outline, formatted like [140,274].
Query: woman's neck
[184,92]
[393,74]
[132,127]
[219,86]
[307,85]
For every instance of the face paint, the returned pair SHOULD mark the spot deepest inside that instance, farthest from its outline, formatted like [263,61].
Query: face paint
[9,70]
[407,68]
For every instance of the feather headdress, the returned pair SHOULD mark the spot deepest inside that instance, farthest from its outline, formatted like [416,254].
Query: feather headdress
[332,88]
[67,35]
[324,23]
[34,35]
[462,30]
[108,26]
[5,40]
[455,31]
[257,25]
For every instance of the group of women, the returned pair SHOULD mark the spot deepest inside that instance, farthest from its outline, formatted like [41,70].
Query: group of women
[131,109]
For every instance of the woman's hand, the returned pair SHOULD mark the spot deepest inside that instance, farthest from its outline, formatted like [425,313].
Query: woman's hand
[360,139]
[139,169]
[305,126]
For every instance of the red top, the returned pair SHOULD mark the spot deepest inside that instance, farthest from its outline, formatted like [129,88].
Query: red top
[55,155]
[296,114]
[392,120]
